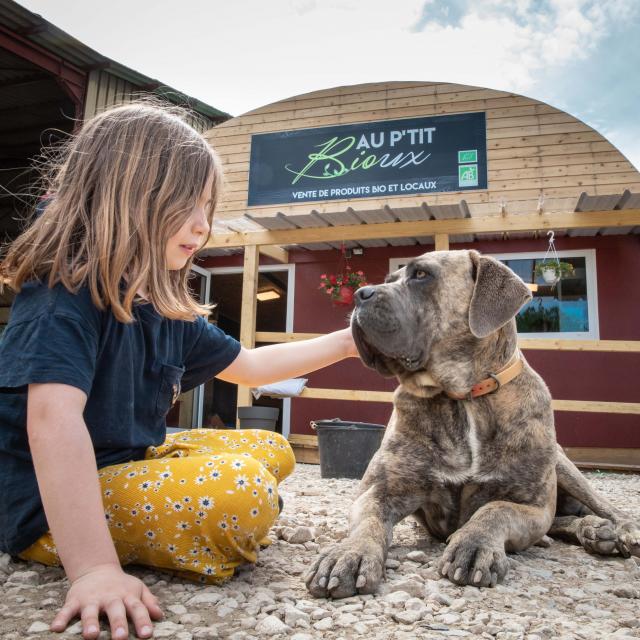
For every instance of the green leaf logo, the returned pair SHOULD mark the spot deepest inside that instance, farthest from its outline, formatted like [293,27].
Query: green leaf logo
[471,155]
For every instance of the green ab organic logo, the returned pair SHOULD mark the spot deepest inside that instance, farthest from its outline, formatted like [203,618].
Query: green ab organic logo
[468,173]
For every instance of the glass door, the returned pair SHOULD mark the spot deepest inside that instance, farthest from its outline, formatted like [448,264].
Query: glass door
[187,412]
[274,313]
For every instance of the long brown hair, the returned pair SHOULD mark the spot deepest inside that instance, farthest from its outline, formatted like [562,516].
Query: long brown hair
[124,184]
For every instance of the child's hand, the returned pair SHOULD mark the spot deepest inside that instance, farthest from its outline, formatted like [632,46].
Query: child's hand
[108,589]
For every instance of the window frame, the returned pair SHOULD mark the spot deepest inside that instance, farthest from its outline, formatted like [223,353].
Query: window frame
[398,263]
[592,292]
[592,289]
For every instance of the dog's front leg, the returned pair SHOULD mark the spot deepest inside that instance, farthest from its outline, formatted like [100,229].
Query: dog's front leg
[476,553]
[356,565]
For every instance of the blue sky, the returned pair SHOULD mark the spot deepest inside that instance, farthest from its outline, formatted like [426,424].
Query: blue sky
[581,56]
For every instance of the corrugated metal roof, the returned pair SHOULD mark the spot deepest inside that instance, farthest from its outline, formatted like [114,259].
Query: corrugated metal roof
[39,31]
[350,216]
[614,202]
[367,216]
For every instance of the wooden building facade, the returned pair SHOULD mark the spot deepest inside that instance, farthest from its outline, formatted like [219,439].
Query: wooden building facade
[545,170]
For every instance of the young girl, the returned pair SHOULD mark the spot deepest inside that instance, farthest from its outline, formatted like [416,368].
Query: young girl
[103,335]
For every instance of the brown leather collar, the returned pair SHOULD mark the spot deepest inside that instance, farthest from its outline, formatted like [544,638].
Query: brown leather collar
[489,385]
[495,380]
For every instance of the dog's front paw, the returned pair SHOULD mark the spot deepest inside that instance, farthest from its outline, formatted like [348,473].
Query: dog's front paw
[628,539]
[597,535]
[346,569]
[473,561]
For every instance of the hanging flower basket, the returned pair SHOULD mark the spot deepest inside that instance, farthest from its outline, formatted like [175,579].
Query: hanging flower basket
[550,276]
[340,288]
[552,271]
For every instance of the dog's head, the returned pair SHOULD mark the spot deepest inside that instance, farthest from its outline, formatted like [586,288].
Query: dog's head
[441,303]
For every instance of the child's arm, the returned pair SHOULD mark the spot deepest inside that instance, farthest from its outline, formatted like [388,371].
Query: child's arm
[255,367]
[67,475]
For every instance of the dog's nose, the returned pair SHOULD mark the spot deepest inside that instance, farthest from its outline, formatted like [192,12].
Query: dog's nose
[365,293]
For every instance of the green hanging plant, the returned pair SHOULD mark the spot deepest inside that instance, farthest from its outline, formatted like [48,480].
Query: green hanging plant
[552,270]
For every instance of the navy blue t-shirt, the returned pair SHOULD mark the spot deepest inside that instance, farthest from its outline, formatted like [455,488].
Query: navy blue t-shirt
[131,373]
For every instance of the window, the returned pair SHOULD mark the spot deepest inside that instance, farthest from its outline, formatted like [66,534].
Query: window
[567,309]
[398,263]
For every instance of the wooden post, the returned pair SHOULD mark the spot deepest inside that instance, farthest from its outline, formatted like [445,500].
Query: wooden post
[277,253]
[442,241]
[249,311]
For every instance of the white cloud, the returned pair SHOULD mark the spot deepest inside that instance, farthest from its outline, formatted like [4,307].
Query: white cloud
[513,43]
[241,55]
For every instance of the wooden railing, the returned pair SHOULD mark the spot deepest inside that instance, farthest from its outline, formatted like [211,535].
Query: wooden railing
[595,406]
[305,446]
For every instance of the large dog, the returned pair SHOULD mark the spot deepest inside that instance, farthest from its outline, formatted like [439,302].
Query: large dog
[470,449]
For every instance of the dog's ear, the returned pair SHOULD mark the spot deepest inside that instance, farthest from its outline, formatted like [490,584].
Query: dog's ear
[498,294]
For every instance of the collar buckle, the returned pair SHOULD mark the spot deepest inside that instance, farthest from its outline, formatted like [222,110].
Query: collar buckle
[494,377]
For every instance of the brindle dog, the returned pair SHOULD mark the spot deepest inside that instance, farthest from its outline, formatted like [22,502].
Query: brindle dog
[483,474]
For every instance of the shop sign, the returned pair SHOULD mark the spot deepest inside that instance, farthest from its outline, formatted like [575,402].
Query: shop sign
[369,160]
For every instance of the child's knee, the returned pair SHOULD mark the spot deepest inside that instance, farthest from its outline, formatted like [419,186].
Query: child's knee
[238,479]
[243,500]
[284,455]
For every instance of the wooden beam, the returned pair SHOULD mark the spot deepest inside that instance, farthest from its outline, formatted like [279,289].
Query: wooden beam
[604,458]
[347,394]
[277,253]
[442,241]
[303,439]
[305,448]
[249,300]
[596,406]
[625,346]
[545,344]
[482,224]
[587,406]
[248,312]
[281,336]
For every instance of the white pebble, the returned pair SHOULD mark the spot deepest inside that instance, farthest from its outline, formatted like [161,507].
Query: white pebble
[166,629]
[38,627]
[178,609]
[271,625]
[323,625]
[23,577]
[205,598]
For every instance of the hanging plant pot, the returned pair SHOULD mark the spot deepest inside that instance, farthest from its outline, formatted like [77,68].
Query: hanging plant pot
[552,271]
[340,288]
[345,296]
[550,276]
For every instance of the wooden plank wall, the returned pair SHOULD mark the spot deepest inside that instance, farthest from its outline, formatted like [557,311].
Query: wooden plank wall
[533,149]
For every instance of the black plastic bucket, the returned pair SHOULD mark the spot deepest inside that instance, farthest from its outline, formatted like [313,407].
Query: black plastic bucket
[346,448]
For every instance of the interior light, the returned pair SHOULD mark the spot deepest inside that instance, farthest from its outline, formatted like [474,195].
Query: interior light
[269,294]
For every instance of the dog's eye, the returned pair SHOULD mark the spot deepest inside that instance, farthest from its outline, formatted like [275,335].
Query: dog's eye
[420,274]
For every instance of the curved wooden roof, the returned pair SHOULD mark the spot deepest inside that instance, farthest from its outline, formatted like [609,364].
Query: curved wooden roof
[535,152]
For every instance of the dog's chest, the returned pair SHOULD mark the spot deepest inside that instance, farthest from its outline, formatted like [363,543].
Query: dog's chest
[467,459]
[473,441]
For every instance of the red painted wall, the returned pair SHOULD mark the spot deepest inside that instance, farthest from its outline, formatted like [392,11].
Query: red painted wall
[611,377]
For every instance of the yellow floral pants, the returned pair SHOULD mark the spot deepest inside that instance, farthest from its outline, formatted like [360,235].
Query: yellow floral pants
[200,504]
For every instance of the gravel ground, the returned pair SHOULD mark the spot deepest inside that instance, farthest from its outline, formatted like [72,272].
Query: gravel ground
[556,592]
